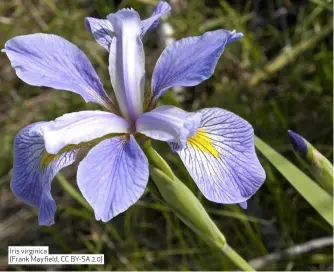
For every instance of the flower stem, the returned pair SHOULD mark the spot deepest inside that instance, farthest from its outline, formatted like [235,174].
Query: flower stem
[156,160]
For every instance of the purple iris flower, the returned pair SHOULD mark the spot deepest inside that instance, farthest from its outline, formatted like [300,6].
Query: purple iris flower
[215,145]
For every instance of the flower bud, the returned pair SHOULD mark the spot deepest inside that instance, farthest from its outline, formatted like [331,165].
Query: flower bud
[319,166]
[188,208]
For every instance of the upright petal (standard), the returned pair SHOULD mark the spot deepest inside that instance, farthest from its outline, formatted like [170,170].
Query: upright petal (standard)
[34,170]
[103,31]
[127,63]
[190,61]
[113,176]
[51,61]
[221,158]
[151,23]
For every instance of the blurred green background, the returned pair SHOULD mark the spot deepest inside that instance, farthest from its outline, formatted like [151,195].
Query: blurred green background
[278,77]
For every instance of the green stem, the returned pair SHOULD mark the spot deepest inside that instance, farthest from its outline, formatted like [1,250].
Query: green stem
[156,160]
[236,258]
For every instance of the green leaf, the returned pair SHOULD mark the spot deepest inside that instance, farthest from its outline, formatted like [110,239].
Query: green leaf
[309,189]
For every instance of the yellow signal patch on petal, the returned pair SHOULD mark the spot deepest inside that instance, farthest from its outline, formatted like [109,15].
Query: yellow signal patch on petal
[203,142]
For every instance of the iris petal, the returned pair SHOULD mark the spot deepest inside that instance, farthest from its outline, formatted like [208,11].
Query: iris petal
[126,62]
[101,29]
[190,61]
[221,158]
[243,205]
[31,180]
[169,123]
[113,176]
[51,61]
[151,23]
[78,127]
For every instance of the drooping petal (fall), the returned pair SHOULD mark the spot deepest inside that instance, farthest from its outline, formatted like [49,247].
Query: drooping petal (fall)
[51,61]
[169,123]
[34,170]
[113,176]
[80,127]
[221,158]
[127,62]
[190,61]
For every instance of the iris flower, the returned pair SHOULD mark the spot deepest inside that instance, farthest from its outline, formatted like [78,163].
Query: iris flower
[215,145]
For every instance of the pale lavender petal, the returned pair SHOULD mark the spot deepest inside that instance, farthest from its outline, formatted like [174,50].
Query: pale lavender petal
[113,176]
[51,61]
[243,205]
[221,158]
[151,23]
[190,61]
[31,180]
[169,123]
[102,31]
[127,62]
[83,126]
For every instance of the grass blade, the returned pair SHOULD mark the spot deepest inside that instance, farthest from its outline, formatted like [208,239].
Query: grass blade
[72,191]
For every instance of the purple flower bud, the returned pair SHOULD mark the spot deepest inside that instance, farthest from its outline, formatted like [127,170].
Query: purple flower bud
[298,143]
